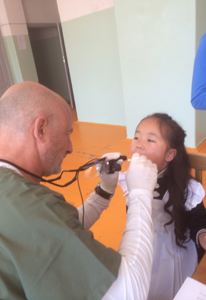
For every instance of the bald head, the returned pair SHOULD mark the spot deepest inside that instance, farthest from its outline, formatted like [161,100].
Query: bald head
[23,102]
[35,128]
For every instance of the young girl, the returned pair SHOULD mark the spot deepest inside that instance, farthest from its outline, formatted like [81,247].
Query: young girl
[161,140]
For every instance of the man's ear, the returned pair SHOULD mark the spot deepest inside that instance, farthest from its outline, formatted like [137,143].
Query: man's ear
[170,155]
[40,125]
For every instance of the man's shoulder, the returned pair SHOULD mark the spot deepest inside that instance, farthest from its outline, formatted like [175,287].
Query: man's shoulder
[23,197]
[14,186]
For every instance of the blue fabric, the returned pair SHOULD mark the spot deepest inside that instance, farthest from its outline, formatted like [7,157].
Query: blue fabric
[198,98]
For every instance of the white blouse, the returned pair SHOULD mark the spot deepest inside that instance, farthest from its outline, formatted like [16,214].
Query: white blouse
[171,264]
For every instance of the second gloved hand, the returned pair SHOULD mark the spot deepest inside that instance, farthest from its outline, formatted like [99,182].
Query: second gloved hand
[141,174]
[109,181]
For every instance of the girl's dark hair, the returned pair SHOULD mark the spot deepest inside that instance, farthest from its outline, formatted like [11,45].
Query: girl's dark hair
[178,175]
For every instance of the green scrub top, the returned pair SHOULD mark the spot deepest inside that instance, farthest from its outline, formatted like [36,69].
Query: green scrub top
[44,251]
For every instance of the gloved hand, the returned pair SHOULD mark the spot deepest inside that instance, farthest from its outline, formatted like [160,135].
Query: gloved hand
[141,174]
[109,181]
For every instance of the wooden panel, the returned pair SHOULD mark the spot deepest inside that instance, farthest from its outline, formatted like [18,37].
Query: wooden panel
[198,162]
[200,272]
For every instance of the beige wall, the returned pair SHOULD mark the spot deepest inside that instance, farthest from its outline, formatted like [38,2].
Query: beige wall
[72,9]
[41,11]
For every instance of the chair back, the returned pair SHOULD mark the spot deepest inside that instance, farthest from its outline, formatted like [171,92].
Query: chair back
[198,163]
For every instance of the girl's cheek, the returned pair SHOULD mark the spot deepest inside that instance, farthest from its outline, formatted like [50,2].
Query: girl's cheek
[132,148]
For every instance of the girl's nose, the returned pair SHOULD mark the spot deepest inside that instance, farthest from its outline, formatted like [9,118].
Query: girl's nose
[139,144]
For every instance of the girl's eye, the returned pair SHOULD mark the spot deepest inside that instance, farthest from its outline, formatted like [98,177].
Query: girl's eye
[151,141]
[136,138]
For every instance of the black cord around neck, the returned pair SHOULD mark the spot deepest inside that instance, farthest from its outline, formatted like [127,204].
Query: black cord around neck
[76,177]
[20,168]
[51,181]
[40,178]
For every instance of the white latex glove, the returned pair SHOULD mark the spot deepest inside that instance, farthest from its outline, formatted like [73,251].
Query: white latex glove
[109,181]
[141,174]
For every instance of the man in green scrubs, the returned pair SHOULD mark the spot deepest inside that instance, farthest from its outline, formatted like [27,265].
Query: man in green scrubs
[45,250]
